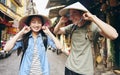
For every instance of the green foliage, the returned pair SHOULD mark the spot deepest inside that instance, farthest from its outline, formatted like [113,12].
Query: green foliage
[112,57]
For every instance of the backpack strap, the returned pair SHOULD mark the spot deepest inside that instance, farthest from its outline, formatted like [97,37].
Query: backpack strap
[72,30]
[89,33]
[93,40]
[44,37]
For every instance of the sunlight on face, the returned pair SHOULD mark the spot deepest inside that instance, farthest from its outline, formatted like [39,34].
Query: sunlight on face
[36,24]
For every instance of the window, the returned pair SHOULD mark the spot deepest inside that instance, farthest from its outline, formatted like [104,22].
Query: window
[18,2]
[13,7]
[3,1]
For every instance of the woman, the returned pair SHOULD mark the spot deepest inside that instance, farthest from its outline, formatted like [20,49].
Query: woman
[32,30]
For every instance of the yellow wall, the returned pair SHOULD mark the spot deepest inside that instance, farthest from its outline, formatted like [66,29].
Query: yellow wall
[6,9]
[19,10]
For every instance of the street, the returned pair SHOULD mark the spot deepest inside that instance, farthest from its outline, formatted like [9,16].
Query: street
[10,65]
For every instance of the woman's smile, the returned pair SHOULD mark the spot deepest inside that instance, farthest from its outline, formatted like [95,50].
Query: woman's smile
[36,24]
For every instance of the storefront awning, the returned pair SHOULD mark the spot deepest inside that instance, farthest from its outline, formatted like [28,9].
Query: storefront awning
[54,11]
[4,19]
[6,16]
[54,3]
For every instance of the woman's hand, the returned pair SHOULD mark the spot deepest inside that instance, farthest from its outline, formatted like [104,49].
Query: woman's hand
[45,29]
[25,29]
[48,32]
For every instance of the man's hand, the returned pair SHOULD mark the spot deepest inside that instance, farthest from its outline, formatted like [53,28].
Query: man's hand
[88,16]
[63,20]
[45,29]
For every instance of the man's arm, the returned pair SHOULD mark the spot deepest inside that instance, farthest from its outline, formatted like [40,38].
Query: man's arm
[106,30]
[59,28]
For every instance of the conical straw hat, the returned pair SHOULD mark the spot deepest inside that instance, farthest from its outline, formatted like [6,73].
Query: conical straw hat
[22,21]
[77,6]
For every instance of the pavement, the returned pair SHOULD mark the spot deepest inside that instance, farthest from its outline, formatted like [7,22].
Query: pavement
[100,69]
[10,65]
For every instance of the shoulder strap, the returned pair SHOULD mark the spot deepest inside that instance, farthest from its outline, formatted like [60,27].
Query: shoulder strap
[44,37]
[89,33]
[72,30]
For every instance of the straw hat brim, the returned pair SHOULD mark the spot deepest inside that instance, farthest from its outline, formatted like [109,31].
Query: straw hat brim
[23,20]
[77,6]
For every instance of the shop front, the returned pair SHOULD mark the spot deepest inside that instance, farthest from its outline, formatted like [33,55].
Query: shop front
[6,28]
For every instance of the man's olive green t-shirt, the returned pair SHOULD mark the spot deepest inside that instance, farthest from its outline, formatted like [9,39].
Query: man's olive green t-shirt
[80,59]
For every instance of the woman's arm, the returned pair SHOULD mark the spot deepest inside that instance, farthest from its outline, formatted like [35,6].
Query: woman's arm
[56,41]
[10,44]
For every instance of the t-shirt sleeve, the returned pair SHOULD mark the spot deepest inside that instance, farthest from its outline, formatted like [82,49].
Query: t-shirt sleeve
[17,45]
[51,42]
[95,29]
[68,29]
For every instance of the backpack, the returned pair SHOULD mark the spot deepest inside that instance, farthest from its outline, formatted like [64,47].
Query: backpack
[93,40]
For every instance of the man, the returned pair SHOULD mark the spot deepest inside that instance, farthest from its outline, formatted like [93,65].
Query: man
[82,32]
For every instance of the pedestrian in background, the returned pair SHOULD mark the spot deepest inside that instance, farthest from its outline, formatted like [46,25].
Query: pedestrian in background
[32,30]
[82,32]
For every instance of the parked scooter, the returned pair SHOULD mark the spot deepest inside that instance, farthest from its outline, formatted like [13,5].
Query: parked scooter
[4,54]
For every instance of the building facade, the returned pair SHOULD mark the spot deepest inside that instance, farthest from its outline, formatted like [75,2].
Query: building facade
[11,11]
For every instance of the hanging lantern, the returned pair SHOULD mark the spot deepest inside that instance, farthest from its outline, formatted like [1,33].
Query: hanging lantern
[12,30]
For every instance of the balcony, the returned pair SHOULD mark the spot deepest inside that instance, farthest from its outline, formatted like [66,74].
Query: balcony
[18,2]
